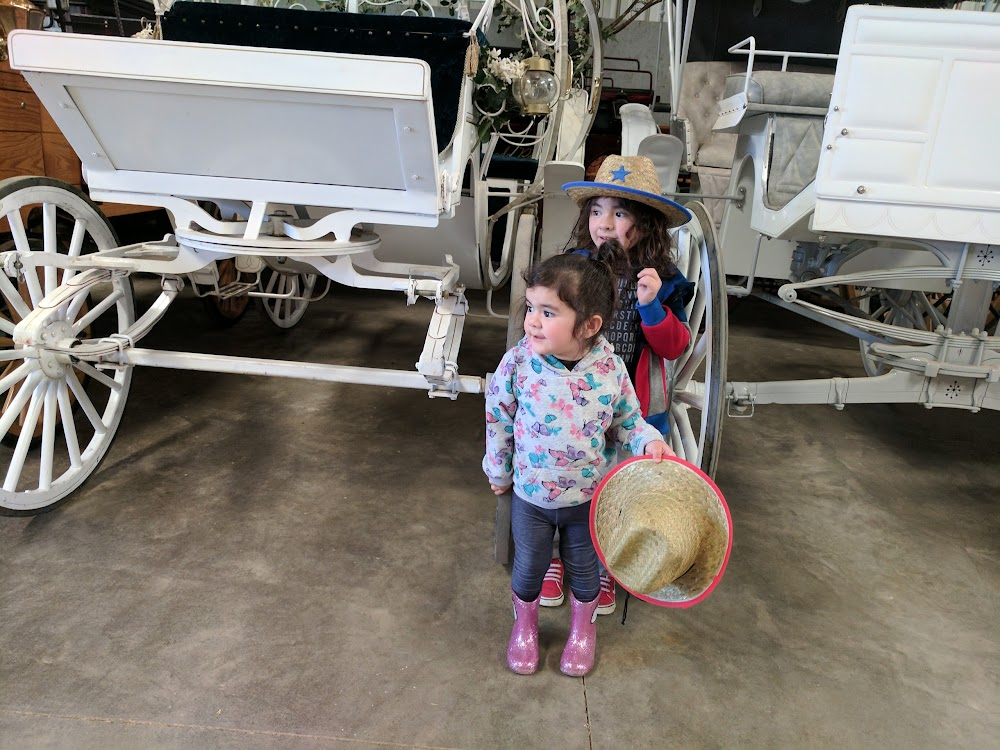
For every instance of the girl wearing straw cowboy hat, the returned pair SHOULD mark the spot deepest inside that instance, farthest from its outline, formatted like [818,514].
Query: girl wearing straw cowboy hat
[624,212]
[556,407]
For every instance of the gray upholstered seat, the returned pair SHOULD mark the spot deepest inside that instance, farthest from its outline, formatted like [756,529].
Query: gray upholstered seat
[784,88]
[800,102]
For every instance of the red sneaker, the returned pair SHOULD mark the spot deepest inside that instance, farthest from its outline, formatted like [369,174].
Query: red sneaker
[552,585]
[606,599]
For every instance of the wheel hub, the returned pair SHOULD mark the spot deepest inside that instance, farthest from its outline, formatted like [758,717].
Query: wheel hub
[55,364]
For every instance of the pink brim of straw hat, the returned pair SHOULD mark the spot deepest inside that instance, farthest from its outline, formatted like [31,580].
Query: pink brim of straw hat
[631,177]
[662,529]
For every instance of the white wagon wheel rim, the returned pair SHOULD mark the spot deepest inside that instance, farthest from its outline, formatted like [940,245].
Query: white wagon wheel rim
[286,312]
[39,472]
[699,375]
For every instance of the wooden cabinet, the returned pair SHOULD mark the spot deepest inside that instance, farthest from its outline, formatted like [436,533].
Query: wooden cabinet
[30,143]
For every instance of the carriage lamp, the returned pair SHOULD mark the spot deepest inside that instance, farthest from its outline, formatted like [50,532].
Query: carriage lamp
[538,89]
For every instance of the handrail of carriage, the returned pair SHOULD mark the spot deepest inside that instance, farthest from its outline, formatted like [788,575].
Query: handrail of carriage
[732,107]
[740,49]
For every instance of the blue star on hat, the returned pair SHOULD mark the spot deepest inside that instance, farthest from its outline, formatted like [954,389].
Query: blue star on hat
[618,175]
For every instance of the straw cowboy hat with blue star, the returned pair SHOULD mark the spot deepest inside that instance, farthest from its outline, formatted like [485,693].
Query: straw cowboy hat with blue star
[631,177]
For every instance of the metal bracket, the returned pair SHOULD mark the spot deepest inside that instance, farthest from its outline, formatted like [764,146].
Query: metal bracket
[438,361]
[739,407]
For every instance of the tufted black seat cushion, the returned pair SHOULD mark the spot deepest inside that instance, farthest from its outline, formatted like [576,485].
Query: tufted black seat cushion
[440,42]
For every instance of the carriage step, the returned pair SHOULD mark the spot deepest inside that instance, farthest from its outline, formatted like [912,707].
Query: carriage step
[235,289]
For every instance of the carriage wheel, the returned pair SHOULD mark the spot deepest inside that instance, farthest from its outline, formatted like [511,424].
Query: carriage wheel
[698,401]
[897,307]
[229,311]
[285,313]
[73,438]
[910,309]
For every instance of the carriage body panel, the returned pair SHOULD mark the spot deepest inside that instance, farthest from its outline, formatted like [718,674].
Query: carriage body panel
[908,146]
[898,160]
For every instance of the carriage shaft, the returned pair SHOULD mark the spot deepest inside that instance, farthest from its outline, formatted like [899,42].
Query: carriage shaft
[286,369]
[895,387]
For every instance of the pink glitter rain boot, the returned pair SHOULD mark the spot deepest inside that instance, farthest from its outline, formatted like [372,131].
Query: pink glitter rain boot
[522,652]
[578,656]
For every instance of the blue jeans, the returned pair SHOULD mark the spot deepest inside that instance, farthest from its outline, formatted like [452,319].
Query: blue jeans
[534,529]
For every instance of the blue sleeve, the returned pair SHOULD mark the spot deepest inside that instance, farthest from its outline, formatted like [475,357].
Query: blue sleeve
[675,293]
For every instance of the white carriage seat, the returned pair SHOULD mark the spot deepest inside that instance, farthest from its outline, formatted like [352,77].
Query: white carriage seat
[666,152]
[440,42]
[637,124]
[798,103]
[641,136]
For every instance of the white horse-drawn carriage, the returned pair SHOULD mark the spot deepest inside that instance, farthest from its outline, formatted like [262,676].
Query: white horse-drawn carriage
[871,199]
[385,184]
[881,180]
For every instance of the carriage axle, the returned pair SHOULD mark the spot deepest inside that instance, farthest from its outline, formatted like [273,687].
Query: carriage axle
[452,384]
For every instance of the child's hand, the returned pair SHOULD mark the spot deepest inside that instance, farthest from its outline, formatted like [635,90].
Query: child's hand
[649,285]
[498,490]
[658,449]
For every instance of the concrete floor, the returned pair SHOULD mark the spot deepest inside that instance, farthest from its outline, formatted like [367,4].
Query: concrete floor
[264,563]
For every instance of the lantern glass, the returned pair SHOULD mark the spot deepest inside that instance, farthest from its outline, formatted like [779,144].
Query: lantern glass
[538,88]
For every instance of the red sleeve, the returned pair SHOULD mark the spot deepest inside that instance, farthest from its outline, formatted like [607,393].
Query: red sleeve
[668,338]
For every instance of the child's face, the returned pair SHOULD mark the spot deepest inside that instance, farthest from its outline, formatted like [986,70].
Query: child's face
[549,324]
[609,221]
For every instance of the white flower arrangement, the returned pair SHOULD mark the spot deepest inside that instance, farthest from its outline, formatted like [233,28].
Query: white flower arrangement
[496,80]
[507,69]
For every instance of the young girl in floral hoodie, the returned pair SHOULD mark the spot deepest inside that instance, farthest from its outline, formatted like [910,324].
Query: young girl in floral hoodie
[556,407]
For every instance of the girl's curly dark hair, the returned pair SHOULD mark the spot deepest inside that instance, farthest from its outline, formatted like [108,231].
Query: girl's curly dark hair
[586,285]
[652,247]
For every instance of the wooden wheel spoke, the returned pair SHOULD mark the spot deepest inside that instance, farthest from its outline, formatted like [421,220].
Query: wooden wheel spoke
[692,399]
[76,240]
[88,369]
[48,437]
[69,426]
[686,434]
[34,287]
[24,439]
[86,404]
[694,359]
[16,402]
[17,231]
[49,244]
[96,311]
[19,309]
[15,376]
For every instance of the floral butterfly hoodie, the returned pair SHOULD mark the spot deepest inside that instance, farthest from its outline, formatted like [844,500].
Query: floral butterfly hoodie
[551,432]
